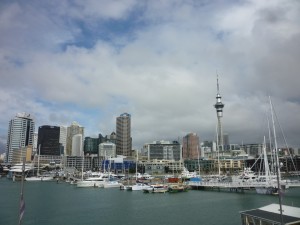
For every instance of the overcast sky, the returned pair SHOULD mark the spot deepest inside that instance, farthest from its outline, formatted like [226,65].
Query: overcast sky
[90,61]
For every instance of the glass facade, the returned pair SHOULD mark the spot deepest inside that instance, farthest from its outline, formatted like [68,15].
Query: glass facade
[48,140]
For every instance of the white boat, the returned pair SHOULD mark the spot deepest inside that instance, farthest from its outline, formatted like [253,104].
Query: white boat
[15,172]
[112,184]
[39,178]
[126,187]
[156,188]
[139,186]
[187,174]
[248,175]
[91,182]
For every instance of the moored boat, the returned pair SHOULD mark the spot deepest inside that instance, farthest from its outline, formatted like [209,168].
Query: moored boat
[39,178]
[112,184]
[126,187]
[156,188]
[175,188]
[139,186]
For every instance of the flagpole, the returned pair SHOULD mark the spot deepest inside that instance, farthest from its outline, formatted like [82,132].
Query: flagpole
[22,202]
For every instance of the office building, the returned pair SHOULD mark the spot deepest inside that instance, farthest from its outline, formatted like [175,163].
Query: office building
[48,140]
[20,134]
[91,145]
[111,138]
[77,145]
[123,135]
[190,146]
[107,150]
[72,130]
[164,150]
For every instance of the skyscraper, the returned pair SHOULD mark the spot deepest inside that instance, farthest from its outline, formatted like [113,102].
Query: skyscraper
[72,130]
[63,139]
[219,108]
[190,146]
[123,133]
[48,140]
[20,134]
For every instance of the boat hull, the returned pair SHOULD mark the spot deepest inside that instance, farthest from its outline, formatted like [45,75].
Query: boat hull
[89,183]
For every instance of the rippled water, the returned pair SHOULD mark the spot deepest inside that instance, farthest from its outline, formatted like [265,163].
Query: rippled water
[49,203]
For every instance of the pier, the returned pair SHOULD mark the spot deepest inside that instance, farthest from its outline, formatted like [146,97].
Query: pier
[238,186]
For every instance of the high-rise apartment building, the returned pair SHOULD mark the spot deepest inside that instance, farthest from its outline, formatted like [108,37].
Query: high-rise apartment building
[72,130]
[123,133]
[48,140]
[20,134]
[190,146]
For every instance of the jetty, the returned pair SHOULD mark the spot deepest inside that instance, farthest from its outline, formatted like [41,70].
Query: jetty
[237,186]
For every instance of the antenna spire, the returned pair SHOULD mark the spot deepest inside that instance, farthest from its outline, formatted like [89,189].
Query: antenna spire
[218,89]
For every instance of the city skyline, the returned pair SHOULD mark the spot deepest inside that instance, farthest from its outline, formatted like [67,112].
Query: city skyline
[89,62]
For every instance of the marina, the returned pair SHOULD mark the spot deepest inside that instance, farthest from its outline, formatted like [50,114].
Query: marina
[51,203]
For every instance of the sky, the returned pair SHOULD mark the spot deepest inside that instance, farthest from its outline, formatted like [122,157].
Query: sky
[90,61]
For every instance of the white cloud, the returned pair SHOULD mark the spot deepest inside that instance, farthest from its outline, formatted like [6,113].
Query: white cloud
[163,72]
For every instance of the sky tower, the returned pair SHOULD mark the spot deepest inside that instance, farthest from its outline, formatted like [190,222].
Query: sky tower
[219,108]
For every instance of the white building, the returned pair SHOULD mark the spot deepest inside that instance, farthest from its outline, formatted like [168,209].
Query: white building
[72,130]
[107,149]
[20,134]
[63,137]
[77,143]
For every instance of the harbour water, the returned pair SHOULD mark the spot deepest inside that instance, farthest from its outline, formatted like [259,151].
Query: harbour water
[49,203]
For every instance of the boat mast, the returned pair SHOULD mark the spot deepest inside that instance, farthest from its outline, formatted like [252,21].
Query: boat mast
[137,158]
[82,165]
[277,163]
[267,170]
[22,202]
[198,159]
[271,149]
[38,169]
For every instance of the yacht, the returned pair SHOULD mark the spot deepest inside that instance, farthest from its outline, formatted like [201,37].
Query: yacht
[139,186]
[112,184]
[39,178]
[94,180]
[156,188]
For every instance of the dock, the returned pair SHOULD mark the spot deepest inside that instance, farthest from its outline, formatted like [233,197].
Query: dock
[238,186]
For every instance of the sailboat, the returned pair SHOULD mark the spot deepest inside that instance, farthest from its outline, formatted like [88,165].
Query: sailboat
[273,213]
[38,176]
[111,182]
[138,186]
[270,187]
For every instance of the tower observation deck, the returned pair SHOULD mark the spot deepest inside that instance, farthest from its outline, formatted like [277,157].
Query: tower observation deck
[219,108]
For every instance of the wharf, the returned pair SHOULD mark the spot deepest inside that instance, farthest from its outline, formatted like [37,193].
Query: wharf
[237,186]
[232,186]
